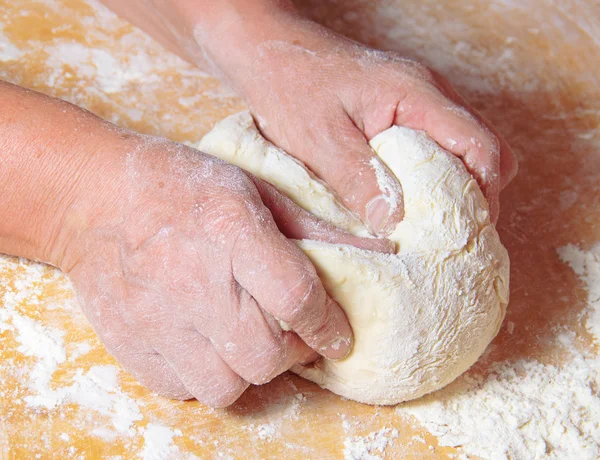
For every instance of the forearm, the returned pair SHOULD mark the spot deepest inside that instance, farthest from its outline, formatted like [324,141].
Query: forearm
[47,149]
[223,34]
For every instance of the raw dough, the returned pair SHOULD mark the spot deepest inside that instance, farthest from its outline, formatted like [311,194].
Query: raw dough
[420,317]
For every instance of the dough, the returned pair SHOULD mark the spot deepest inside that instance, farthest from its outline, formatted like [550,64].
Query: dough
[420,317]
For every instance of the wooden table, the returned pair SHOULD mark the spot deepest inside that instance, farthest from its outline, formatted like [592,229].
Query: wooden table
[530,67]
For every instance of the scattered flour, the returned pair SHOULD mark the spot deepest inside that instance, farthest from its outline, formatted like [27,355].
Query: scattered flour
[370,447]
[266,432]
[586,264]
[391,190]
[95,390]
[8,51]
[418,439]
[158,443]
[520,410]
[526,409]
[110,75]
[81,349]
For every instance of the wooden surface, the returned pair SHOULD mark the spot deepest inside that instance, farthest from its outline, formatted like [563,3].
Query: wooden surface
[531,67]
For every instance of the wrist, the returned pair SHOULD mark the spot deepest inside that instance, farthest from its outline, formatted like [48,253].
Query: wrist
[50,151]
[236,22]
[231,35]
[88,194]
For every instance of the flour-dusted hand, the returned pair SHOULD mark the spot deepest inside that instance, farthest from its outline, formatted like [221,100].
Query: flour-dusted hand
[330,102]
[185,274]
[322,97]
[178,258]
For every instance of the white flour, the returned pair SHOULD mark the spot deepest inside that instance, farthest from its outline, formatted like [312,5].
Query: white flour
[367,447]
[266,432]
[370,447]
[128,75]
[95,390]
[586,264]
[390,189]
[158,443]
[526,409]
[8,51]
[109,74]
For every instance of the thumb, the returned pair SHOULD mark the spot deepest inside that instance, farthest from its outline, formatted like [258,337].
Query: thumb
[362,181]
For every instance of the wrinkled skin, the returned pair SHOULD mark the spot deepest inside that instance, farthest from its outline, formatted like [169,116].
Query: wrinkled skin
[322,97]
[185,277]
[325,117]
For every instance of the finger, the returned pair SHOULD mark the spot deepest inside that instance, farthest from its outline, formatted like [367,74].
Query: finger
[205,375]
[509,165]
[294,222]
[252,343]
[285,284]
[459,132]
[135,355]
[508,160]
[366,186]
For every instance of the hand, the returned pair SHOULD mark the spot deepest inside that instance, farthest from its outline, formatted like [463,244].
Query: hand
[322,97]
[184,275]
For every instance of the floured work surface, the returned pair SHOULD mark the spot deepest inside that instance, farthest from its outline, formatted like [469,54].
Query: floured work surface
[527,66]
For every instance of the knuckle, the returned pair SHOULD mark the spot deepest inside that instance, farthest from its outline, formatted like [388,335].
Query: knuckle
[234,179]
[232,217]
[494,144]
[351,186]
[171,391]
[416,70]
[219,401]
[273,364]
[243,208]
[423,73]
[306,293]
[483,148]
[265,364]
[223,395]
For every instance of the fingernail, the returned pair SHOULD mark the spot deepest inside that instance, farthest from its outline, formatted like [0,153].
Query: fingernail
[378,213]
[338,341]
[339,348]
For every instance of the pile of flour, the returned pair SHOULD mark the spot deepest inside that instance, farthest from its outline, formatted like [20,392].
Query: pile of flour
[526,409]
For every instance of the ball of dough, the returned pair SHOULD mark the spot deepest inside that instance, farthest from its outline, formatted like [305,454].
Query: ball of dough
[421,317]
